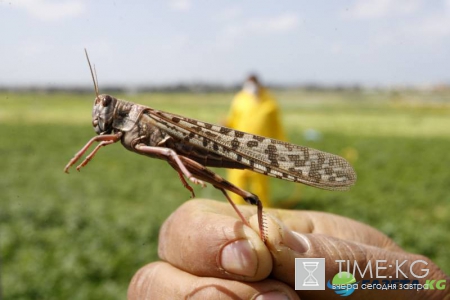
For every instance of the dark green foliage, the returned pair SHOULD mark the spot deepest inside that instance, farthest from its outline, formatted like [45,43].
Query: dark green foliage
[84,235]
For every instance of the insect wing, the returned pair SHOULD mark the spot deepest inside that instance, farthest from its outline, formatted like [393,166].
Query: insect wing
[263,155]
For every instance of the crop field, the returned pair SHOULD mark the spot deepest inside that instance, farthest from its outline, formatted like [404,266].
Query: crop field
[84,235]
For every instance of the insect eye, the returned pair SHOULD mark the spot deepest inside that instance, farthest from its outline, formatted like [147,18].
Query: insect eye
[106,100]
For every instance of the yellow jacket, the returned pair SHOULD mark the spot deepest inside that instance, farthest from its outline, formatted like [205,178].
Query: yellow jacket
[256,114]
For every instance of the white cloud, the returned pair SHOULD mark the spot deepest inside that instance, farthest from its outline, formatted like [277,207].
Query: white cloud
[262,26]
[183,5]
[431,27]
[336,48]
[374,9]
[414,24]
[229,14]
[48,10]
[282,23]
[34,48]
[239,29]
[174,43]
[424,29]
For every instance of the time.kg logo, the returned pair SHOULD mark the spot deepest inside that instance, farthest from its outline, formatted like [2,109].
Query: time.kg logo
[342,284]
[310,273]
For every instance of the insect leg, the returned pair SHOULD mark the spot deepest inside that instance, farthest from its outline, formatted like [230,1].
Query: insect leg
[109,138]
[254,200]
[233,205]
[222,184]
[91,155]
[173,158]
[185,184]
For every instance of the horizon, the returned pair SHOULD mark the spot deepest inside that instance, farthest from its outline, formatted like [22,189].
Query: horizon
[217,87]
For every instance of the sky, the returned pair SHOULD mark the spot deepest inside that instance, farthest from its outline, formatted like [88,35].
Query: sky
[367,42]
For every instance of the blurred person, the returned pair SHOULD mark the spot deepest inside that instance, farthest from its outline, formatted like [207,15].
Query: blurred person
[207,252]
[254,110]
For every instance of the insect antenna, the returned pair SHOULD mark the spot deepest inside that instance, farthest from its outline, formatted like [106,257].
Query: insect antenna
[93,73]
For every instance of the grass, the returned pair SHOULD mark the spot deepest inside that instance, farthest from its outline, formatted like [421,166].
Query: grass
[83,235]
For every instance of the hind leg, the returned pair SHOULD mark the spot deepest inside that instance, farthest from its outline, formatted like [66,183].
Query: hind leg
[202,173]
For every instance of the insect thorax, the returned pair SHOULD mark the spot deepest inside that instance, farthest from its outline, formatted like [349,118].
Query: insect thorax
[126,115]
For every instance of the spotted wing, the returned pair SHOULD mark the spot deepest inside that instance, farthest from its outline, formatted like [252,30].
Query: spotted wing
[263,155]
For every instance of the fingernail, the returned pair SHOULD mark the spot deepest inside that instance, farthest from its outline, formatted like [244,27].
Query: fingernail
[297,242]
[239,258]
[283,236]
[274,295]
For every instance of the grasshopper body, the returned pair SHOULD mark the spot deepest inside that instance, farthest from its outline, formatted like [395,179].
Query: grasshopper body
[190,146]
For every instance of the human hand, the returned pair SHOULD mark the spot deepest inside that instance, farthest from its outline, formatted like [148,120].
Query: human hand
[208,253]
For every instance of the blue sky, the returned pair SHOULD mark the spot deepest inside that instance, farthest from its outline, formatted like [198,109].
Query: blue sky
[371,42]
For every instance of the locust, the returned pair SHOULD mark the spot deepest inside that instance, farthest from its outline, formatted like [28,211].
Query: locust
[190,146]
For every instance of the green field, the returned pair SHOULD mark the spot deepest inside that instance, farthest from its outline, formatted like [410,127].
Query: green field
[83,235]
